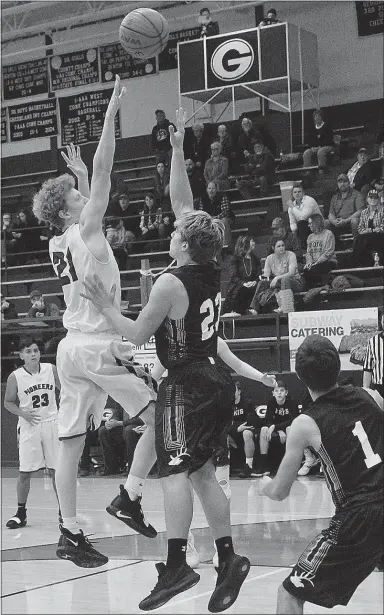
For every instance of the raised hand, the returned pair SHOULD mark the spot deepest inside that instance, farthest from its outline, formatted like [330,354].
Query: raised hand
[268,380]
[74,161]
[116,98]
[177,138]
[97,293]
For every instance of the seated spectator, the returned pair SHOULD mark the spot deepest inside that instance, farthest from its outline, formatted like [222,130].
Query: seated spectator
[225,140]
[245,429]
[8,240]
[345,208]
[361,173]
[160,138]
[370,238]
[152,225]
[128,213]
[271,19]
[281,411]
[27,236]
[162,186]
[320,257]
[245,271]
[120,241]
[118,437]
[197,145]
[378,185]
[217,205]
[292,243]
[41,308]
[216,168]
[196,180]
[300,209]
[8,309]
[244,144]
[260,168]
[281,278]
[267,138]
[320,141]
[208,27]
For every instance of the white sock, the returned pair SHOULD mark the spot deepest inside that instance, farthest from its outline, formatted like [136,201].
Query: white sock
[134,486]
[249,461]
[70,523]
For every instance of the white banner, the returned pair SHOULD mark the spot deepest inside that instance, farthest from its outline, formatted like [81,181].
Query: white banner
[146,354]
[349,330]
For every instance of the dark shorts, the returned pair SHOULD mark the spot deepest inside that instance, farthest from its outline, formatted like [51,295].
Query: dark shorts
[238,437]
[193,415]
[340,557]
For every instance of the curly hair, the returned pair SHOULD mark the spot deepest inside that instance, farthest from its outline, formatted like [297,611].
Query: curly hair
[51,199]
[204,235]
[242,246]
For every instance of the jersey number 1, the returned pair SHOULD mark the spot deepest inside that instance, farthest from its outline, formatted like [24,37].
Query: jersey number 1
[63,262]
[210,323]
[371,458]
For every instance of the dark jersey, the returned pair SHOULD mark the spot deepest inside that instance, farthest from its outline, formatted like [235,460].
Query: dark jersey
[281,415]
[193,337]
[242,410]
[352,444]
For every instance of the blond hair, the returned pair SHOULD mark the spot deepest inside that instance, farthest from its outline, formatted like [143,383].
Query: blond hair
[51,199]
[204,235]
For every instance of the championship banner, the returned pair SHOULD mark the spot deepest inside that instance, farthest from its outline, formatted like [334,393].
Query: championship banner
[349,330]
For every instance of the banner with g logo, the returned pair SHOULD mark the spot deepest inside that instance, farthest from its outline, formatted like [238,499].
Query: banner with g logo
[232,59]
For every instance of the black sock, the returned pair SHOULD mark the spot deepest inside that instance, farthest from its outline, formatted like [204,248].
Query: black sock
[21,511]
[177,552]
[224,548]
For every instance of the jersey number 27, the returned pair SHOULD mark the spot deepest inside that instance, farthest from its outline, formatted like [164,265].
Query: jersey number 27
[210,324]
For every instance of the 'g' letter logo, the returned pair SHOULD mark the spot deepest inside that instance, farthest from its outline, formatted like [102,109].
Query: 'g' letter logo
[232,59]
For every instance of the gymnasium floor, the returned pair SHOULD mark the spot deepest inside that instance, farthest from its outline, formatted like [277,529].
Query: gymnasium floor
[271,534]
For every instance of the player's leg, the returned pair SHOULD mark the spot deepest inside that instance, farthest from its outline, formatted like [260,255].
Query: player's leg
[249,451]
[263,465]
[50,445]
[288,604]
[22,488]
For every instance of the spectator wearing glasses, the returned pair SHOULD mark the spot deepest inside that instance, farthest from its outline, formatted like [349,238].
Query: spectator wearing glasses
[216,168]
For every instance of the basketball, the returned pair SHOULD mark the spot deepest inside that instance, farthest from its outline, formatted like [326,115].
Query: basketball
[144,33]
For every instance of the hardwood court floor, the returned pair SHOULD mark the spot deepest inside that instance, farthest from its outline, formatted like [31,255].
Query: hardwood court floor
[271,534]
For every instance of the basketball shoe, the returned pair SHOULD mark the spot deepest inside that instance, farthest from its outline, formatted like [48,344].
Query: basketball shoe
[77,549]
[171,581]
[231,574]
[130,512]
[193,557]
[14,523]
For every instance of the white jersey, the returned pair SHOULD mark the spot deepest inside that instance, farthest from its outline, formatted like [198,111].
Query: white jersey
[73,262]
[37,392]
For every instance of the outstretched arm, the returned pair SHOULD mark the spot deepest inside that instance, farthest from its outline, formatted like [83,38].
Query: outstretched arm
[93,212]
[180,189]
[78,168]
[240,367]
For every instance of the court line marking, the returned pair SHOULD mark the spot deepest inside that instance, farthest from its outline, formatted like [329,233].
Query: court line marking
[85,576]
[260,576]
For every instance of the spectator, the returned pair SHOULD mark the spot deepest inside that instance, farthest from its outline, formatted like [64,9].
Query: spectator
[271,19]
[345,208]
[8,239]
[160,138]
[281,411]
[8,309]
[260,168]
[370,238]
[208,27]
[216,168]
[280,279]
[118,437]
[197,145]
[244,145]
[373,376]
[378,165]
[320,257]
[378,185]
[225,140]
[40,308]
[120,241]
[9,341]
[245,271]
[152,225]
[128,213]
[27,235]
[300,209]
[292,243]
[217,205]
[162,186]
[265,136]
[196,180]
[320,142]
[245,428]
[362,172]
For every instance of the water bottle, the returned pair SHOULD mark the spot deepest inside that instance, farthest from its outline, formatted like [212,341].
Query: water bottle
[376,260]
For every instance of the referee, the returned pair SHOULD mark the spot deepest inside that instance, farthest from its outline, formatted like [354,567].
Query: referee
[374,360]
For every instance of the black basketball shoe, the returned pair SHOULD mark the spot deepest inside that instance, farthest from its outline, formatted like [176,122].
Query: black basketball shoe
[77,549]
[14,523]
[130,512]
[171,581]
[231,574]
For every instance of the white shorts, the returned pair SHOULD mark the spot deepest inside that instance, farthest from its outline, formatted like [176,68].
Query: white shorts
[91,368]
[38,446]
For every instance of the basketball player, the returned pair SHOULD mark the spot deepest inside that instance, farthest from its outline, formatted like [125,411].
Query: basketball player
[92,360]
[194,408]
[31,395]
[344,425]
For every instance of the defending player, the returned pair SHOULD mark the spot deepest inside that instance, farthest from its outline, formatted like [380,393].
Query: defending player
[31,395]
[92,360]
[194,408]
[344,425]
